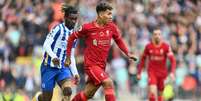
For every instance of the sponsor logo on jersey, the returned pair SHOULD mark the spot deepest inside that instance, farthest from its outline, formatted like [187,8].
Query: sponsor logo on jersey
[95,42]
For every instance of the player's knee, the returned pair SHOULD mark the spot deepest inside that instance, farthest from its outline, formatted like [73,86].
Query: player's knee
[160,89]
[45,96]
[67,91]
[108,83]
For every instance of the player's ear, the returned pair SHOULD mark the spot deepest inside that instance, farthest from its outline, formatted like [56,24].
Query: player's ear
[100,14]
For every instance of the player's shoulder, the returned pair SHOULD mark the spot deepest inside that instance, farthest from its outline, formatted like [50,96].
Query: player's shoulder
[57,27]
[87,25]
[165,44]
[112,24]
[149,44]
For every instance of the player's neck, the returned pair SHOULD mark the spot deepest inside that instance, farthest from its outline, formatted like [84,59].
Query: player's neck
[100,22]
[157,44]
[70,27]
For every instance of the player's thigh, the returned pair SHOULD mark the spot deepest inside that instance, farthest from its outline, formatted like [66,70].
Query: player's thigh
[152,81]
[64,81]
[96,75]
[90,89]
[64,76]
[160,84]
[48,78]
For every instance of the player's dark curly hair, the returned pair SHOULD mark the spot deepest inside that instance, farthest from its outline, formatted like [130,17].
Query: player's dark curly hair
[103,6]
[68,9]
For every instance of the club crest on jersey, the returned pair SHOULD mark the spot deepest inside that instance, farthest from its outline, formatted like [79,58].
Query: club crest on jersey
[101,34]
[161,51]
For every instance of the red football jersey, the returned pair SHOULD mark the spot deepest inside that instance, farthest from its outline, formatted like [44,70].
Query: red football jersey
[157,56]
[98,42]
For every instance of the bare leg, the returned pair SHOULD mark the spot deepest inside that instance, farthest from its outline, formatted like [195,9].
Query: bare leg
[66,89]
[45,96]
[109,90]
[153,93]
[88,92]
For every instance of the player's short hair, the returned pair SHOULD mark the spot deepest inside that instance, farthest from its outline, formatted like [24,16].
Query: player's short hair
[68,9]
[103,6]
[157,28]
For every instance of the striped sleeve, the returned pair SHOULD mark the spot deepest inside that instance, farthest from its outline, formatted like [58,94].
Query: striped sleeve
[73,63]
[50,39]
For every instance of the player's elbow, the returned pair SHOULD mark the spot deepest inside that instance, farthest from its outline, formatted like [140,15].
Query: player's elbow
[45,46]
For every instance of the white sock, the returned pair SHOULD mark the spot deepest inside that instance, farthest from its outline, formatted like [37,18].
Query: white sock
[37,95]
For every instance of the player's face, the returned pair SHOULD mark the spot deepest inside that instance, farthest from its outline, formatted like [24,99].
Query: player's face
[71,20]
[156,36]
[106,16]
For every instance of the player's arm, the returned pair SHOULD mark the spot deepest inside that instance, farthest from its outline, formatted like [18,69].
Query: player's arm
[121,44]
[171,57]
[48,42]
[73,62]
[141,64]
[70,41]
[73,66]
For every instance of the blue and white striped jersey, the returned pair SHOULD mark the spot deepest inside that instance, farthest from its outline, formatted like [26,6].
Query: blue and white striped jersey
[55,47]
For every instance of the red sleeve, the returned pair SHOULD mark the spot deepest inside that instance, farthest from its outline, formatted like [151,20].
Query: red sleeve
[80,33]
[119,41]
[142,60]
[171,57]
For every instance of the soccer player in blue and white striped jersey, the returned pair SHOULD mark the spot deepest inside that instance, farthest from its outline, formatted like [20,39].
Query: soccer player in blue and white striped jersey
[52,68]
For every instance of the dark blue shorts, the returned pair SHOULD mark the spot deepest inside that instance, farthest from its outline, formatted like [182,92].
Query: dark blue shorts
[51,75]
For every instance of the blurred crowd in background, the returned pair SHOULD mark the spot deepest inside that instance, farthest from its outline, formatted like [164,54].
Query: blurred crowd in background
[24,25]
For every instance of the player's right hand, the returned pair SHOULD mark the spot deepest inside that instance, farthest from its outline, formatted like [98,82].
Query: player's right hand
[67,62]
[138,76]
[56,61]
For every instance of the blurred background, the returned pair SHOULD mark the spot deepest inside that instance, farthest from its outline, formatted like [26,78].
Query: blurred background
[24,25]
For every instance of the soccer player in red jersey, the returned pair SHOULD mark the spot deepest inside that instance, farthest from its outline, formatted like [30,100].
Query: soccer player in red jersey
[157,52]
[98,35]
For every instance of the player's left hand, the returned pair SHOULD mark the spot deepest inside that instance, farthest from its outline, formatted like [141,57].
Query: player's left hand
[77,79]
[138,76]
[172,76]
[67,62]
[132,56]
